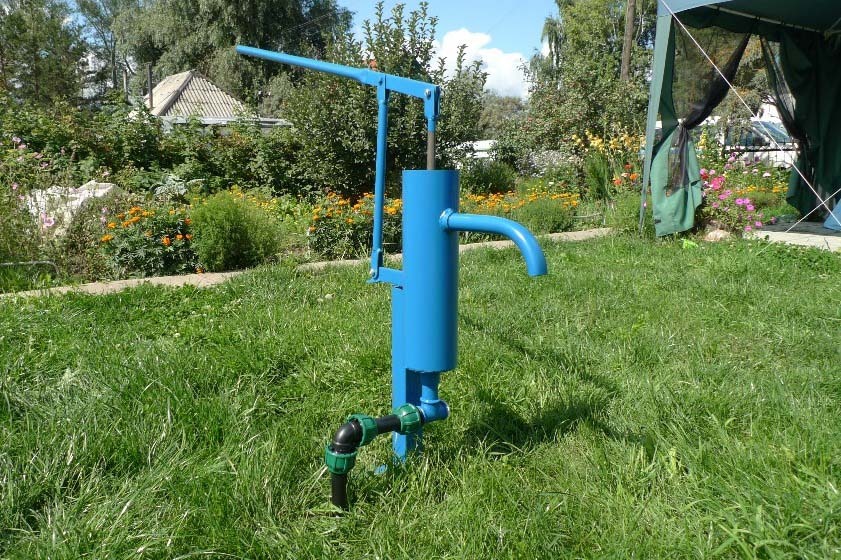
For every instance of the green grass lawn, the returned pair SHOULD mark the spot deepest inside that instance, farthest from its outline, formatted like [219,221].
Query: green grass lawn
[644,400]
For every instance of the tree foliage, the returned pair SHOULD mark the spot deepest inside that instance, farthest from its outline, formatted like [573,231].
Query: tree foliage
[177,35]
[576,86]
[41,51]
[99,17]
[336,119]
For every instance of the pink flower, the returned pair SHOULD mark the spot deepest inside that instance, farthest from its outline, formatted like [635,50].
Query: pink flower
[715,204]
[722,197]
[731,159]
[740,201]
[748,228]
[16,140]
[15,186]
[712,173]
[21,146]
[750,207]
[758,224]
[728,166]
[47,221]
[717,183]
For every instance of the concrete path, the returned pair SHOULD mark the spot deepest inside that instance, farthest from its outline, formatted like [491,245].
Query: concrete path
[211,279]
[503,244]
[808,234]
[199,280]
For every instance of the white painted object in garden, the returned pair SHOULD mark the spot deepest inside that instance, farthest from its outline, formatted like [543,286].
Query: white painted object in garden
[54,208]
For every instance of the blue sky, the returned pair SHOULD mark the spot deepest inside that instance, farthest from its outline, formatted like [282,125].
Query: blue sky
[502,33]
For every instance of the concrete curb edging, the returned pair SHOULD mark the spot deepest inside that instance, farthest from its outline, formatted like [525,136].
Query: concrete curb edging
[211,279]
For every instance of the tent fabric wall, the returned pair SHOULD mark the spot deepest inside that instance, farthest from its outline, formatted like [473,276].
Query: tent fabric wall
[810,61]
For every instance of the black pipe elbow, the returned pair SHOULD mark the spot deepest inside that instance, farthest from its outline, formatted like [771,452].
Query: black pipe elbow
[347,437]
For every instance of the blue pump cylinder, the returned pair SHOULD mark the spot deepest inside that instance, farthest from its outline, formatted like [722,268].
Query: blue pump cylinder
[430,271]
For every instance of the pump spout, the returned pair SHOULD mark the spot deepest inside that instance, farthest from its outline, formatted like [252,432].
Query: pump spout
[522,238]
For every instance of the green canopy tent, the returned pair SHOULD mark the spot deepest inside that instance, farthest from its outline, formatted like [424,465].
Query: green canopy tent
[802,52]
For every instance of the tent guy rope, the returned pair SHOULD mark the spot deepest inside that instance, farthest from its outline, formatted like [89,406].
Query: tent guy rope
[823,201]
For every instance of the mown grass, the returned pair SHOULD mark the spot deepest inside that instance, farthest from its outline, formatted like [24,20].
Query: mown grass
[644,400]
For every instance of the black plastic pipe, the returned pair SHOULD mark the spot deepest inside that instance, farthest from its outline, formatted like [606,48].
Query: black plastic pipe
[347,440]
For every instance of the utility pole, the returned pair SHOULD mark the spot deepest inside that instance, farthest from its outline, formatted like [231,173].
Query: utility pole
[628,41]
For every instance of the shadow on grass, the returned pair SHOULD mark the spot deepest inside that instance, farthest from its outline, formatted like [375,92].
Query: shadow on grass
[501,429]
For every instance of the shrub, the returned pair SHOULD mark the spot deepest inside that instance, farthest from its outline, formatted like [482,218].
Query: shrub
[729,208]
[149,241]
[485,176]
[597,176]
[232,232]
[342,229]
[79,252]
[545,215]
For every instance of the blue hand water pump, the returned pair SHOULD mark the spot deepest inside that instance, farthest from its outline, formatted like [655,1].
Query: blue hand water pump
[424,295]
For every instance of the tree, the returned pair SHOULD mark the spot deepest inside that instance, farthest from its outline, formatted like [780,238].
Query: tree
[496,111]
[335,118]
[627,40]
[41,51]
[99,17]
[177,35]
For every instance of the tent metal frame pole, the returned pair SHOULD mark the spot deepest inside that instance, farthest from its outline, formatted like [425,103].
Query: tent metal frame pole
[766,20]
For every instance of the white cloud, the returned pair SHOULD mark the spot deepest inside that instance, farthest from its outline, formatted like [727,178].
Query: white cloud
[504,68]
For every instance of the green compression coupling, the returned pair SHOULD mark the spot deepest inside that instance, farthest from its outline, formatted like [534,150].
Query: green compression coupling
[339,463]
[410,417]
[369,427]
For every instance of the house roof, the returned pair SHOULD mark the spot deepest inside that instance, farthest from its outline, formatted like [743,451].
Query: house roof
[191,94]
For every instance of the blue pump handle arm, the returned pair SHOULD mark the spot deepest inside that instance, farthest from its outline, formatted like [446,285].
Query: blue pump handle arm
[385,83]
[522,238]
[429,93]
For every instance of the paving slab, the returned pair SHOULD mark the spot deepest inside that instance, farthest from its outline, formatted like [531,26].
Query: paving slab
[807,234]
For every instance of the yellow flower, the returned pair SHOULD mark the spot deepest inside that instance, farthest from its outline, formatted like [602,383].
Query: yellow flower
[111,225]
[106,238]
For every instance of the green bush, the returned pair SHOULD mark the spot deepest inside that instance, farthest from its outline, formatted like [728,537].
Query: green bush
[150,241]
[233,233]
[485,176]
[545,215]
[623,215]
[597,176]
[341,229]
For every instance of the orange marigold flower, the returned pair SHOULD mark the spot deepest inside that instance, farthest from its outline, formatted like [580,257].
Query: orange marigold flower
[111,225]
[166,241]
[634,176]
[187,221]
[189,236]
[179,237]
[106,238]
[121,215]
